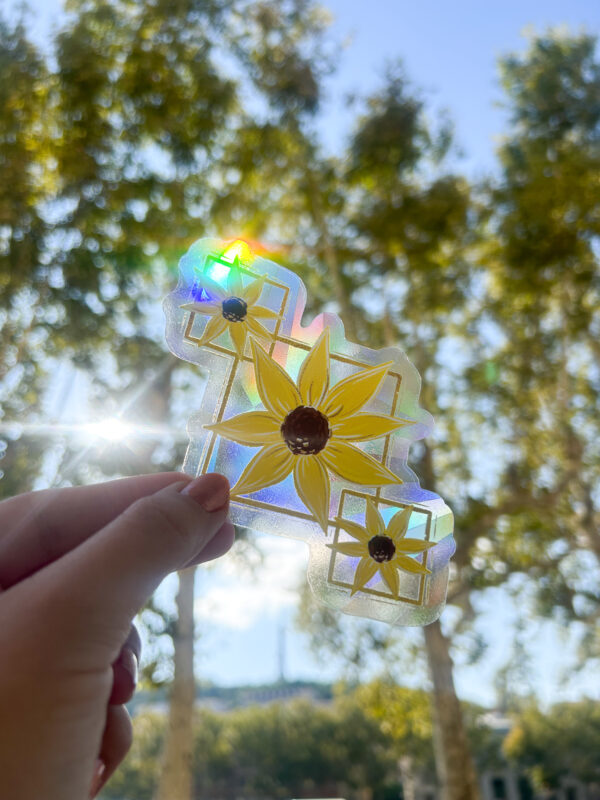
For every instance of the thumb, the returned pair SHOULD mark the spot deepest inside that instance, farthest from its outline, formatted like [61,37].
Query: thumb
[99,586]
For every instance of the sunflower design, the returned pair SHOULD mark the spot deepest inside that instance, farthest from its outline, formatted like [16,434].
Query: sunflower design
[307,429]
[380,548]
[233,308]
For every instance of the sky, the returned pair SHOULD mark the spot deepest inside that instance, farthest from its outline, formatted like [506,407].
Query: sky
[449,50]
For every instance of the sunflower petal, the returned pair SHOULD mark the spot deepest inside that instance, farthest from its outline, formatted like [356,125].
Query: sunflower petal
[312,485]
[261,312]
[251,429]
[203,308]
[362,427]
[398,525]
[350,394]
[364,572]
[389,573]
[234,280]
[349,548]
[213,290]
[353,528]
[313,378]
[237,331]
[214,328]
[275,387]
[271,465]
[254,290]
[375,524]
[351,464]
[410,565]
[257,329]
[413,546]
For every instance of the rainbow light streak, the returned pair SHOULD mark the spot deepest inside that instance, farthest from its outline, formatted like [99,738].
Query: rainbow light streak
[218,266]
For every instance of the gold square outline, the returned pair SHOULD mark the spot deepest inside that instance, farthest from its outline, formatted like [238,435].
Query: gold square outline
[209,445]
[375,592]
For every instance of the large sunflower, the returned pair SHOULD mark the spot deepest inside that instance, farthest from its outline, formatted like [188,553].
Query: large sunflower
[233,308]
[380,548]
[308,429]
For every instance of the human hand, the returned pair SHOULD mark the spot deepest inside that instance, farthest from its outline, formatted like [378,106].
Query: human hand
[76,565]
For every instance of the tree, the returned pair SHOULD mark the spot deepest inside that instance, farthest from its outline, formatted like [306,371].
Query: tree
[562,742]
[544,296]
[405,716]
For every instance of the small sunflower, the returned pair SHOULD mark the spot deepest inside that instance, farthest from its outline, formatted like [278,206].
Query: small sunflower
[381,548]
[233,308]
[308,429]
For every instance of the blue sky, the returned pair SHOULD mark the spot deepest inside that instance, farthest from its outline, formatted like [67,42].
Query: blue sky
[450,52]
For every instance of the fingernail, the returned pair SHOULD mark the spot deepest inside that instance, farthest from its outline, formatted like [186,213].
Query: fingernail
[129,662]
[210,491]
[98,777]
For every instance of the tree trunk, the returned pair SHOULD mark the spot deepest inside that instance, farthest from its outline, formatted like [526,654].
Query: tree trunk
[406,767]
[176,779]
[330,256]
[454,765]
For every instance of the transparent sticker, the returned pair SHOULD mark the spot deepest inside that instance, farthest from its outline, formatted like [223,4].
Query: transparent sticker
[313,433]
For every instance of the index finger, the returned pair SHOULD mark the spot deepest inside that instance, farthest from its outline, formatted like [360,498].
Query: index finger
[37,528]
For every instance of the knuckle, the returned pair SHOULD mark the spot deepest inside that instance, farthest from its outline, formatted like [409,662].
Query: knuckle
[150,513]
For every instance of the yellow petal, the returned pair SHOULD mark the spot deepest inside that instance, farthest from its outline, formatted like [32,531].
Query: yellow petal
[351,394]
[260,312]
[212,288]
[271,465]
[275,387]
[413,545]
[214,328]
[364,572]
[254,290]
[361,427]
[257,329]
[203,308]
[349,548]
[375,525]
[398,525]
[389,573]
[353,529]
[234,280]
[312,485]
[251,429]
[410,565]
[351,464]
[237,331]
[313,378]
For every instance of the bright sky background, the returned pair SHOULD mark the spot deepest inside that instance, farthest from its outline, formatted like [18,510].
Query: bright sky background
[449,50]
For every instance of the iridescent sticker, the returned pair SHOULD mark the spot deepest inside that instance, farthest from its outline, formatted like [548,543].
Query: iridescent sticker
[313,433]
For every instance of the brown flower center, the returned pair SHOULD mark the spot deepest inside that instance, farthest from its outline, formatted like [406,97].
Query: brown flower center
[234,309]
[381,548]
[305,431]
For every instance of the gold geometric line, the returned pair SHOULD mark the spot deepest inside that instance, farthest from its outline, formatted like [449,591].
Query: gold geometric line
[223,402]
[377,593]
[248,501]
[283,340]
[386,445]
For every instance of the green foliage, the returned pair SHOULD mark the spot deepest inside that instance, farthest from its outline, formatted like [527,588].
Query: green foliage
[565,741]
[273,751]
[404,715]
[544,295]
[360,740]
